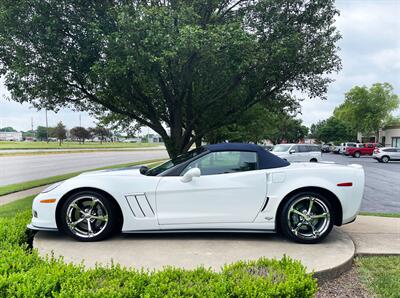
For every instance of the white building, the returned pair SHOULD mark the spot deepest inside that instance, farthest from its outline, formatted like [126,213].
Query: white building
[389,136]
[10,136]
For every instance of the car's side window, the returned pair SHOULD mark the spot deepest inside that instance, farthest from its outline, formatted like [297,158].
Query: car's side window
[303,148]
[295,148]
[224,162]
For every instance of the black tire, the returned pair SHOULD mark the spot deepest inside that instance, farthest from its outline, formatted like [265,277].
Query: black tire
[385,159]
[357,154]
[313,160]
[305,233]
[76,217]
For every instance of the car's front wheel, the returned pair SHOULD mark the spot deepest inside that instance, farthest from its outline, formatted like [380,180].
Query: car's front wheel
[357,154]
[88,216]
[306,218]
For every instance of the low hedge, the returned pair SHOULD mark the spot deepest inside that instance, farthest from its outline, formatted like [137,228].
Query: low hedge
[23,273]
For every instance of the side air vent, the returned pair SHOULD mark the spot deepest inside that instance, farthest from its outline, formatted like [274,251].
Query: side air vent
[140,206]
[265,204]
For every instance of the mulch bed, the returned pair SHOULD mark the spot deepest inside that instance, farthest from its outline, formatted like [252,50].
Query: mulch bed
[346,285]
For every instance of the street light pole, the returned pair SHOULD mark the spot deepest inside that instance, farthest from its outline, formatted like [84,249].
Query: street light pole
[47,128]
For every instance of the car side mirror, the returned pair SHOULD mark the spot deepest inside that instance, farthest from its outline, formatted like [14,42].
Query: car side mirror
[143,170]
[189,175]
[292,151]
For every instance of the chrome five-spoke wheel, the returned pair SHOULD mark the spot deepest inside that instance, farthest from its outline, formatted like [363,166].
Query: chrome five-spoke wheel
[307,218]
[88,216]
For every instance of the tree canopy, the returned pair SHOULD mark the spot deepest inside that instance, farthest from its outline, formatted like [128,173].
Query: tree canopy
[80,133]
[192,66]
[366,109]
[42,133]
[7,129]
[260,122]
[101,132]
[333,130]
[59,132]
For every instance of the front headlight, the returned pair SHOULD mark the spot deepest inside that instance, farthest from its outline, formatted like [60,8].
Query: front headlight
[51,187]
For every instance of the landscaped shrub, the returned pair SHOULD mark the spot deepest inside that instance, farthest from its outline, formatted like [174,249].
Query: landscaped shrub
[23,273]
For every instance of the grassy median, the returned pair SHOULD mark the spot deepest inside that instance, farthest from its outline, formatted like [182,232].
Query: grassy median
[11,188]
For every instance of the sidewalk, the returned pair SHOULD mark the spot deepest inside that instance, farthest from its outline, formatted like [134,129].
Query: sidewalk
[20,194]
[373,235]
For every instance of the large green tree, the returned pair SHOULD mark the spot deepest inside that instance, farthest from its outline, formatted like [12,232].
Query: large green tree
[80,133]
[192,66]
[59,132]
[42,133]
[333,130]
[366,109]
[259,124]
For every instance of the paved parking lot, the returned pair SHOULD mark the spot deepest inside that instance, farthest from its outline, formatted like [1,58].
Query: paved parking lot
[382,182]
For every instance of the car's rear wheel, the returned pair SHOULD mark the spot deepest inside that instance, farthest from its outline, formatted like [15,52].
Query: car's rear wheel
[88,216]
[306,218]
[357,154]
[385,159]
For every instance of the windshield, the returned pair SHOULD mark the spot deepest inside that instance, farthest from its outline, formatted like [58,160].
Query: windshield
[281,148]
[173,162]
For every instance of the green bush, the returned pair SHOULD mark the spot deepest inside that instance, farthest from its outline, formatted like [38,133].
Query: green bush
[23,273]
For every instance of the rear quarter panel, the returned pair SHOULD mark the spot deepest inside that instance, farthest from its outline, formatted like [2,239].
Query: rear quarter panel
[283,181]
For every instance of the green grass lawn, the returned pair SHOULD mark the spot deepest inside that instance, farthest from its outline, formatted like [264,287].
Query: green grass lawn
[72,145]
[7,189]
[11,209]
[381,275]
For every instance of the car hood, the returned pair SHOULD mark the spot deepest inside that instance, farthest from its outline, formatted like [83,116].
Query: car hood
[130,171]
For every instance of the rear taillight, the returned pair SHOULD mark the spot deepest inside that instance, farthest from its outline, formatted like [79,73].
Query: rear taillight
[376,150]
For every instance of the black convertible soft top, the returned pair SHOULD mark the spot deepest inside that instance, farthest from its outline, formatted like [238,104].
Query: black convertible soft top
[266,159]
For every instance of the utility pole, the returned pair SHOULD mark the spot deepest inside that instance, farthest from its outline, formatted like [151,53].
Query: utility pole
[47,128]
[32,124]
[80,120]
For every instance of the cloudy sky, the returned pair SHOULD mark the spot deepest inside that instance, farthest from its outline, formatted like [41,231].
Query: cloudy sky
[370,52]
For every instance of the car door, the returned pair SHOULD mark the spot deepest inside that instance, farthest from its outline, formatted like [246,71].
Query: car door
[396,154]
[229,190]
[301,154]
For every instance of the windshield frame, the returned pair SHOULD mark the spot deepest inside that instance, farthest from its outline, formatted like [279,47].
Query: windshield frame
[171,166]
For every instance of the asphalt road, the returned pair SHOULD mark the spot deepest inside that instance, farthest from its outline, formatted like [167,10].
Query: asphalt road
[15,169]
[382,182]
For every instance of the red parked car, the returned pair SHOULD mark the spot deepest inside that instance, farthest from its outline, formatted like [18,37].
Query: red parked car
[362,149]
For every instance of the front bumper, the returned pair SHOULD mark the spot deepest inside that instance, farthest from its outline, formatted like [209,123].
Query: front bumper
[44,214]
[35,228]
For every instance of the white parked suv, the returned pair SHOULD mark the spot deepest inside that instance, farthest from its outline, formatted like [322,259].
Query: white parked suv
[298,152]
[342,148]
[386,154]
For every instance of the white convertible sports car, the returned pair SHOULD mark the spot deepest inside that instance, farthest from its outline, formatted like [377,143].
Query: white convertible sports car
[221,187]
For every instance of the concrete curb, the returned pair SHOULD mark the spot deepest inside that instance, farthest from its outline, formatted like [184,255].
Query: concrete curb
[189,251]
[336,271]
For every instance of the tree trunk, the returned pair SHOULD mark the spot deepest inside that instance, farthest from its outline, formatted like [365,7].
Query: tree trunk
[198,142]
